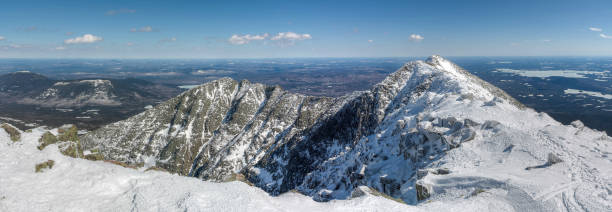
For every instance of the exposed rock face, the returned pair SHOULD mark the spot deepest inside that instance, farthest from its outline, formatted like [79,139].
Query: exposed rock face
[323,147]
[213,130]
[423,191]
[12,131]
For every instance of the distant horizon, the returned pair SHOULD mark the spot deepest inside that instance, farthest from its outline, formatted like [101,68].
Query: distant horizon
[272,58]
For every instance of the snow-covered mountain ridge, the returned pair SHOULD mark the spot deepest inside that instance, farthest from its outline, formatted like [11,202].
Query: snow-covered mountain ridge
[430,131]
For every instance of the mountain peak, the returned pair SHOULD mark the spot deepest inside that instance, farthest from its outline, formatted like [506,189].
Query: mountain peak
[467,79]
[324,147]
[436,59]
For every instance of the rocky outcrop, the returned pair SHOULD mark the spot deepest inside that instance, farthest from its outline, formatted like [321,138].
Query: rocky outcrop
[13,132]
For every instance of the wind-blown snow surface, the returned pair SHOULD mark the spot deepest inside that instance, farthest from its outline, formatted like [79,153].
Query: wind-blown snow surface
[82,185]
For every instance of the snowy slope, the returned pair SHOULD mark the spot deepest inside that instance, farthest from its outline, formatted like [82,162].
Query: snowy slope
[82,185]
[484,138]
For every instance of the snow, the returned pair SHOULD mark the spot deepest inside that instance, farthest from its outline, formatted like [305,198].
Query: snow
[590,93]
[82,185]
[61,83]
[97,82]
[550,73]
[188,86]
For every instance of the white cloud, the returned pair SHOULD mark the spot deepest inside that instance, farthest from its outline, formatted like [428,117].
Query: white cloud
[12,46]
[370,41]
[129,44]
[60,48]
[244,39]
[594,29]
[282,38]
[2,38]
[30,29]
[291,36]
[167,40]
[120,11]
[142,29]
[605,36]
[87,38]
[416,37]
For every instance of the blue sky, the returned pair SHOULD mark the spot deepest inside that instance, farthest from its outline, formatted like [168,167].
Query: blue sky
[259,29]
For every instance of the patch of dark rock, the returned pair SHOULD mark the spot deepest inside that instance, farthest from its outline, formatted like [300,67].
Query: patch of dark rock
[422,173]
[478,191]
[509,148]
[441,171]
[44,165]
[490,124]
[470,123]
[13,133]
[423,191]
[357,192]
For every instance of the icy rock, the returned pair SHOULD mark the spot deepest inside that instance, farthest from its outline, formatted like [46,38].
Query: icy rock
[359,192]
[553,159]
[490,124]
[422,173]
[423,190]
[470,123]
[441,171]
[577,124]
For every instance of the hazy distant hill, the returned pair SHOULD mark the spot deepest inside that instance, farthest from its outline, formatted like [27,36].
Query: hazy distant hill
[32,97]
